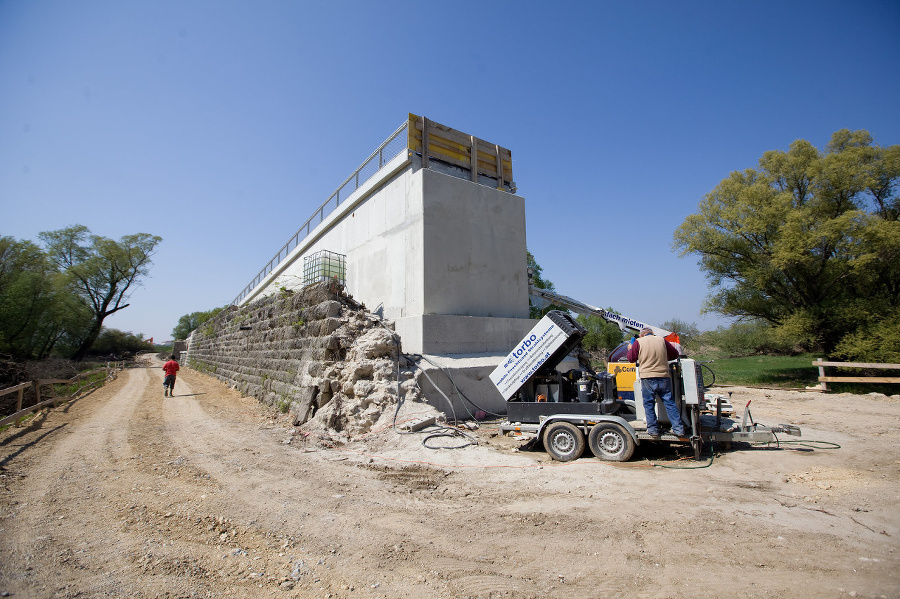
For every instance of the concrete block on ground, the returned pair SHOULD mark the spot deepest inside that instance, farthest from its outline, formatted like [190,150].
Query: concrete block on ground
[470,375]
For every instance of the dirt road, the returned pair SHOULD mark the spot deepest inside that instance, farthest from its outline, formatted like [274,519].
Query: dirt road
[125,493]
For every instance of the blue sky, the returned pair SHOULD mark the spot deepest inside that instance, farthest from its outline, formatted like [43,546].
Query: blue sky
[222,125]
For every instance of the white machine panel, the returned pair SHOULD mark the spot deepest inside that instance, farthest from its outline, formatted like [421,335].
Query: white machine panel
[522,362]
[692,379]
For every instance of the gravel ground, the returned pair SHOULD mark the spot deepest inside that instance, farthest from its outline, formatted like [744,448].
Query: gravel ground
[125,493]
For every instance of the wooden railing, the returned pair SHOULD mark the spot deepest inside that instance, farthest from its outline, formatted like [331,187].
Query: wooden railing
[823,380]
[112,369]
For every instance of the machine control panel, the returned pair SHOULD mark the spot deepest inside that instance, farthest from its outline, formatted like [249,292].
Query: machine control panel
[692,378]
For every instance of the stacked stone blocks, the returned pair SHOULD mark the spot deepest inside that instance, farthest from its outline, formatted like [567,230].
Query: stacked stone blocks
[315,353]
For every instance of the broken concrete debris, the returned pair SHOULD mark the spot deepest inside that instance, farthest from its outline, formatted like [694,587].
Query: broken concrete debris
[316,354]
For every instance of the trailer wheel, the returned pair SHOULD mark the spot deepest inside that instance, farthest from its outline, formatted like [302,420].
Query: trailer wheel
[564,441]
[611,442]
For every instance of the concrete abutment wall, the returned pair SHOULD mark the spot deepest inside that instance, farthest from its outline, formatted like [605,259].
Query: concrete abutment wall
[433,246]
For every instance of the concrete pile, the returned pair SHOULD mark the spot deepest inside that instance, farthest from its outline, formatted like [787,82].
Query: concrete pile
[316,354]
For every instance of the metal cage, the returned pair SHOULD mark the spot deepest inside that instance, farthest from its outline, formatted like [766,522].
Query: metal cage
[324,266]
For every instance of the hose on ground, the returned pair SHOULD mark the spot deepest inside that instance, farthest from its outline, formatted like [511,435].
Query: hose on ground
[455,387]
[446,431]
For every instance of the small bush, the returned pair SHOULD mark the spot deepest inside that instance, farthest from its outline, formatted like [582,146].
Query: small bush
[877,342]
[688,333]
[753,338]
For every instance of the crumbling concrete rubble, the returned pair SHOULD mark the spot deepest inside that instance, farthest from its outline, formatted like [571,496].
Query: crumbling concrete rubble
[316,354]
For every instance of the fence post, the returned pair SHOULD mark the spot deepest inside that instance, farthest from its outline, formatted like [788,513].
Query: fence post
[19,399]
[473,158]
[499,167]
[424,142]
[822,375]
[53,391]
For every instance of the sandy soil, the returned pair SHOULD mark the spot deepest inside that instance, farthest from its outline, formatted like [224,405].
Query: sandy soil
[125,493]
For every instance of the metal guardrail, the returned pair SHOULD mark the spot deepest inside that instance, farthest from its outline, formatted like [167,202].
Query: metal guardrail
[392,146]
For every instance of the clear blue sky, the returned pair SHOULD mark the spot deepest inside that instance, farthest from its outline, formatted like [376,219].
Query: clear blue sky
[221,125]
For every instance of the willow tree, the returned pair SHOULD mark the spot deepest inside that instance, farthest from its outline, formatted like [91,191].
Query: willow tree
[808,241]
[102,272]
[37,311]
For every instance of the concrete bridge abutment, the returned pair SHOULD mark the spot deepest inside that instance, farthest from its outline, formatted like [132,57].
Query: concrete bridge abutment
[437,252]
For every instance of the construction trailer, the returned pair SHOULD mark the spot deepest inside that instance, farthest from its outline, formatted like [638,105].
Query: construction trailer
[578,408]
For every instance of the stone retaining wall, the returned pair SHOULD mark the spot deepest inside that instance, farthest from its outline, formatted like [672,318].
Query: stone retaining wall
[314,353]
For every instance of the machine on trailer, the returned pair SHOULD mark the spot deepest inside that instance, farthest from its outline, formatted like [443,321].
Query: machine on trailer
[571,409]
[618,365]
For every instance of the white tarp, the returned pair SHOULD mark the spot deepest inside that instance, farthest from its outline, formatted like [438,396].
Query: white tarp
[522,362]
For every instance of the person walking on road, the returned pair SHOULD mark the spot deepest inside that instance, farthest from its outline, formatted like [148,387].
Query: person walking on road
[652,354]
[170,368]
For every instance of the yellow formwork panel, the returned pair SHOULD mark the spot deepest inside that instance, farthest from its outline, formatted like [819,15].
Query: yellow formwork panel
[453,146]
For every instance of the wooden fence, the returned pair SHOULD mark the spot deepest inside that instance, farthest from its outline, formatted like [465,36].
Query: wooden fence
[111,371]
[823,380]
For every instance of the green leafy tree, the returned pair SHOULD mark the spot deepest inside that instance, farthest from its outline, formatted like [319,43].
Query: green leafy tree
[37,309]
[688,333]
[101,272]
[808,242]
[535,275]
[602,336]
[25,296]
[119,343]
[189,322]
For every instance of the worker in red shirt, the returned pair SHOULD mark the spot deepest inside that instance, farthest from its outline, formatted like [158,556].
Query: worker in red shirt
[170,368]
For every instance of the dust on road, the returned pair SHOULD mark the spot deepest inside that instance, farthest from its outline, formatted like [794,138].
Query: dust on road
[126,493]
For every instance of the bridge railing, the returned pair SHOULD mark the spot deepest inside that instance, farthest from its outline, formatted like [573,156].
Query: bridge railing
[480,161]
[392,146]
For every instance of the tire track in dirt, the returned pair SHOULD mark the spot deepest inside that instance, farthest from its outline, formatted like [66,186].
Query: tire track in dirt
[80,469]
[319,506]
[380,524]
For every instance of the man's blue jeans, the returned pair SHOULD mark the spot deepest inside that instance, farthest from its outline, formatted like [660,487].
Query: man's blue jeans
[650,388]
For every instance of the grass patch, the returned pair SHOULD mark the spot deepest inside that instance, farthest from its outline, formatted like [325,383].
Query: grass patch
[789,372]
[69,389]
